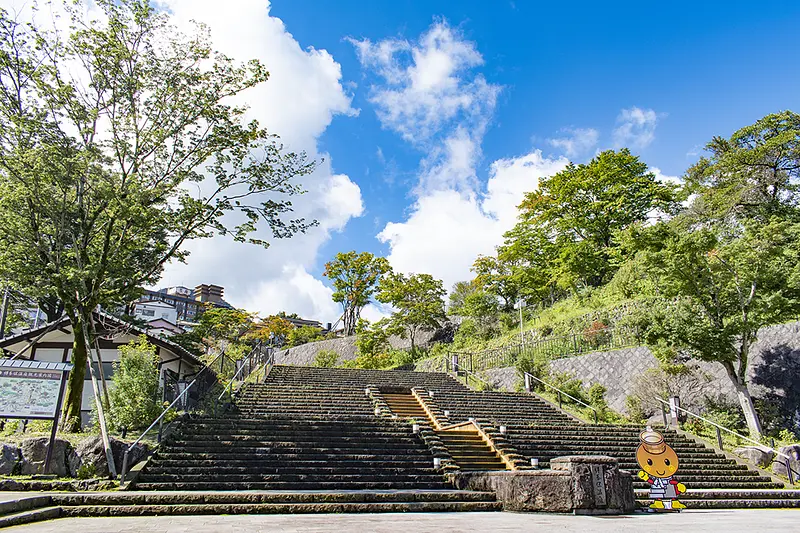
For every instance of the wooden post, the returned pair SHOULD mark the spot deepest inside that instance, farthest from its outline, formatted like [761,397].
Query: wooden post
[101,415]
[49,456]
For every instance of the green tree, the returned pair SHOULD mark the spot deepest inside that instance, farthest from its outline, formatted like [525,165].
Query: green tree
[325,359]
[484,309]
[118,145]
[530,257]
[754,173]
[581,208]
[304,335]
[725,284]
[418,300]
[496,277]
[372,344]
[355,279]
[273,329]
[460,290]
[135,397]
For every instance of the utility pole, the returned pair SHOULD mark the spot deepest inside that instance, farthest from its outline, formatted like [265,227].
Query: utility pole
[4,313]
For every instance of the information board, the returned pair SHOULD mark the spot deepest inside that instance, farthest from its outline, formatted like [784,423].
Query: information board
[29,392]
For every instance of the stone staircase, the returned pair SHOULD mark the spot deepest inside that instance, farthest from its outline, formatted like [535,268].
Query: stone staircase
[540,431]
[305,431]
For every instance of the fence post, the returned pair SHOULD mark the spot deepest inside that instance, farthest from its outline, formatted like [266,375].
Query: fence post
[664,415]
[719,438]
[559,400]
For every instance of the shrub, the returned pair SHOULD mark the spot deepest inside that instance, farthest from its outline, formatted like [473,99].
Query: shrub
[537,367]
[325,359]
[633,406]
[597,334]
[135,395]
[303,335]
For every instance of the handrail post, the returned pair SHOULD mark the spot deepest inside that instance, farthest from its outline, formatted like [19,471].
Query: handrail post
[664,416]
[124,467]
[559,400]
[719,438]
[789,471]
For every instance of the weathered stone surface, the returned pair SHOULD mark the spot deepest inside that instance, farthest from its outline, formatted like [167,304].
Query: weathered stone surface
[779,466]
[34,452]
[506,379]
[598,485]
[585,484]
[522,490]
[756,455]
[73,485]
[91,453]
[9,459]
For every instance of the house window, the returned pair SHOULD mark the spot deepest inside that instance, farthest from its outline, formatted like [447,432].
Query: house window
[148,312]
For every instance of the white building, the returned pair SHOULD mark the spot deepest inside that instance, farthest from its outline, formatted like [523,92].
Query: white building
[53,342]
[153,310]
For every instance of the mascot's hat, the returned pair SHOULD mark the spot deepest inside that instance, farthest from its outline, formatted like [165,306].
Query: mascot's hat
[653,441]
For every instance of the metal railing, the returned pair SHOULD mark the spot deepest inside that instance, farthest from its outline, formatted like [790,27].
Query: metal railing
[255,356]
[559,347]
[160,417]
[560,393]
[791,474]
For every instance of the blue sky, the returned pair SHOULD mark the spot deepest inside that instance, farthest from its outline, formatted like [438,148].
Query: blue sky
[431,119]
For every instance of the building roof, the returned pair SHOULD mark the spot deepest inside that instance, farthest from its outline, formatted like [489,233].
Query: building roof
[104,319]
[35,365]
[154,303]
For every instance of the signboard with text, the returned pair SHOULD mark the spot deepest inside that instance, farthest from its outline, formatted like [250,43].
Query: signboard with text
[29,392]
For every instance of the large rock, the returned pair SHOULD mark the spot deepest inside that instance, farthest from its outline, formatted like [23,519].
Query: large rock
[9,459]
[34,452]
[756,455]
[90,457]
[779,466]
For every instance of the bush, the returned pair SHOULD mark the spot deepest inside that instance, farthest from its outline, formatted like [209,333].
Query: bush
[135,396]
[633,406]
[325,359]
[303,335]
[537,367]
[597,334]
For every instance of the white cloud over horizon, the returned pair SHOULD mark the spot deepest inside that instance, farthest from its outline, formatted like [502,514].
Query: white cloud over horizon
[575,141]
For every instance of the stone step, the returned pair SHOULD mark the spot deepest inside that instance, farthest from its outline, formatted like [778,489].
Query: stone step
[291,470]
[427,476]
[291,486]
[29,516]
[183,455]
[731,504]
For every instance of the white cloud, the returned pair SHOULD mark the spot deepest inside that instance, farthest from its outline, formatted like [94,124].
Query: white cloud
[664,178]
[448,229]
[576,141]
[301,98]
[636,127]
[430,95]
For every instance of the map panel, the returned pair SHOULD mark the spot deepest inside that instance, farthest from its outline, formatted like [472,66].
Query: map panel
[29,393]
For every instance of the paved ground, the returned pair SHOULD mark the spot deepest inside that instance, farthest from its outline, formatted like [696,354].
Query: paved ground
[783,521]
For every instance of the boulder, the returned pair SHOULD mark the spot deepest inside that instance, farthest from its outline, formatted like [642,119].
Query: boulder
[90,459]
[9,459]
[779,466]
[34,452]
[756,455]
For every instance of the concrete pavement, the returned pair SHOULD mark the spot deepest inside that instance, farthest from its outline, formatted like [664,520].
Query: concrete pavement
[722,521]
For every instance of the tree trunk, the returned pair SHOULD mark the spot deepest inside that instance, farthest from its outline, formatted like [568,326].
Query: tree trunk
[71,412]
[746,402]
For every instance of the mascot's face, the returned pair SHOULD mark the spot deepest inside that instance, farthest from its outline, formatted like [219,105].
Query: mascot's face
[663,464]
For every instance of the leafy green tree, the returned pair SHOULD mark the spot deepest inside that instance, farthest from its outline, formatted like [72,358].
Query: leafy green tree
[372,344]
[460,290]
[725,284]
[496,277]
[273,329]
[418,300]
[484,309]
[754,174]
[135,397]
[355,279]
[119,143]
[530,256]
[304,335]
[581,208]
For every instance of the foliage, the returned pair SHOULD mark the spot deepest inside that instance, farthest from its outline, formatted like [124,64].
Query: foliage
[633,407]
[274,329]
[304,335]
[355,279]
[418,300]
[597,334]
[104,129]
[537,367]
[581,208]
[495,277]
[135,395]
[325,359]
[483,309]
[458,293]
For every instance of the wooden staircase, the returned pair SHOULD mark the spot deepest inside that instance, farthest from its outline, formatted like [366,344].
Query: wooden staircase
[465,444]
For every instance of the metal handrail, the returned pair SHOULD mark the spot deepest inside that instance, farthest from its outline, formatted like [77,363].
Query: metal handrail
[719,427]
[560,392]
[469,373]
[161,417]
[241,368]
